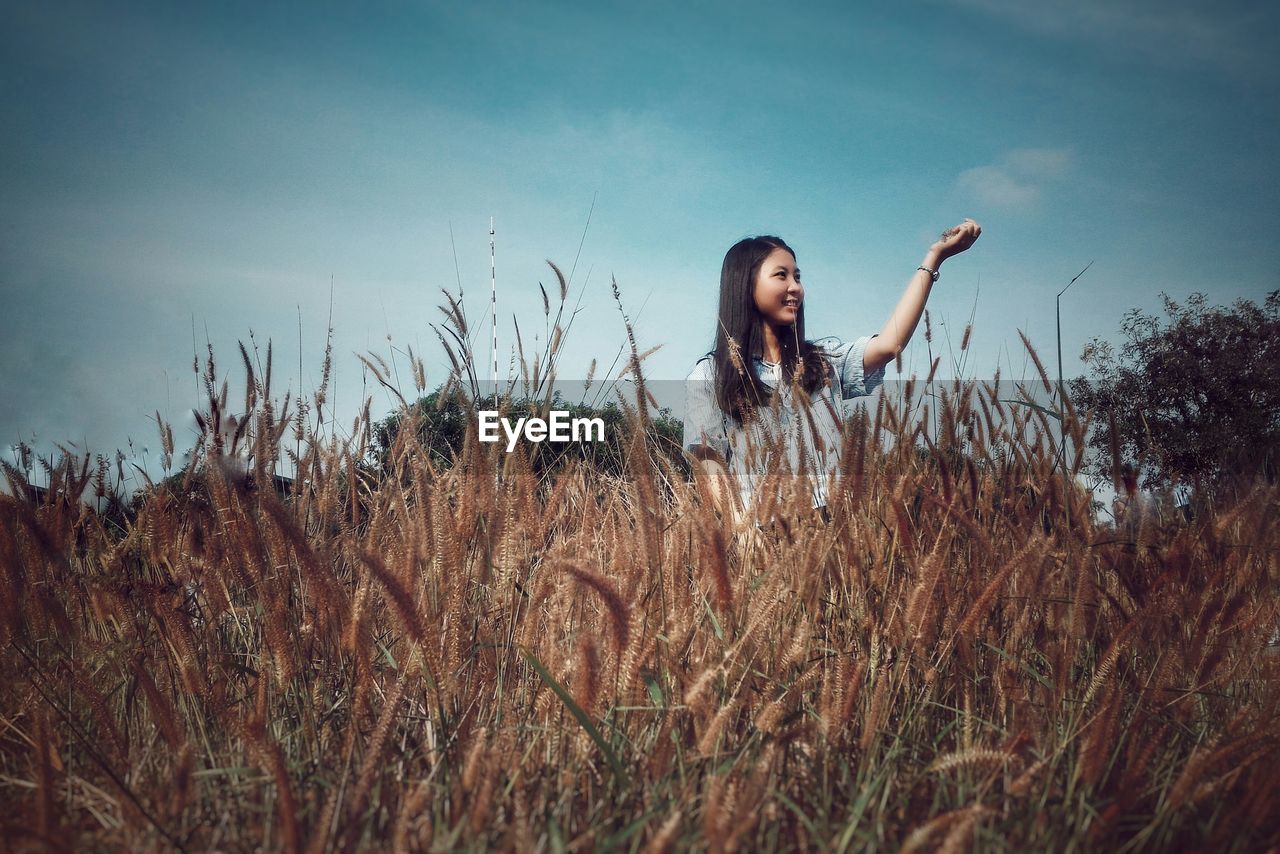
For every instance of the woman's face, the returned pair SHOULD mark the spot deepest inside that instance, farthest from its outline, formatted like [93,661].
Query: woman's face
[778,292]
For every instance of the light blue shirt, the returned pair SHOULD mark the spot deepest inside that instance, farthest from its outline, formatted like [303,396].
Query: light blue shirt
[811,439]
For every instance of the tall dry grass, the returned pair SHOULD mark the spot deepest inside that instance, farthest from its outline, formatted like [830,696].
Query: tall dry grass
[470,657]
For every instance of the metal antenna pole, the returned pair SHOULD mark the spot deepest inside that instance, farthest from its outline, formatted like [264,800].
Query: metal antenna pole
[493,281]
[1062,389]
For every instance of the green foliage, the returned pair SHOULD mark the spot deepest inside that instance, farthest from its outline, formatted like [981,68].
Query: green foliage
[441,426]
[443,420]
[1192,399]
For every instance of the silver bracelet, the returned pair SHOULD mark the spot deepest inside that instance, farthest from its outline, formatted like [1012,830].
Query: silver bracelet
[933,274]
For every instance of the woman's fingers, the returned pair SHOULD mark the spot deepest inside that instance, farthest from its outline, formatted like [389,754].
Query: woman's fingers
[968,226]
[959,238]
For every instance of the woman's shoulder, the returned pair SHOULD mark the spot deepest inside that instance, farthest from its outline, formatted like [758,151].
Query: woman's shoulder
[842,349]
[846,358]
[830,345]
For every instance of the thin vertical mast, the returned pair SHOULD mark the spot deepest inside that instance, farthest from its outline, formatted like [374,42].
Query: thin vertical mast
[493,282]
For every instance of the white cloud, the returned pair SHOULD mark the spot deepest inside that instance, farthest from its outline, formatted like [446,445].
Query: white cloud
[994,186]
[1017,179]
[1039,163]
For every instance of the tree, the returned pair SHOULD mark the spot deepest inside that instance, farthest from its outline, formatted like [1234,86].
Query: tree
[1191,399]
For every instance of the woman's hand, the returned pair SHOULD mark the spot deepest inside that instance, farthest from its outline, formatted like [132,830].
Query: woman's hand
[956,240]
[885,347]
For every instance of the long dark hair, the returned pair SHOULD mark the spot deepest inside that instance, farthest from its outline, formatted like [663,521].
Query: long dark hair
[738,390]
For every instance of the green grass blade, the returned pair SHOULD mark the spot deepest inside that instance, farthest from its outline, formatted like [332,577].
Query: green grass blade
[1022,665]
[654,689]
[1052,413]
[632,829]
[574,709]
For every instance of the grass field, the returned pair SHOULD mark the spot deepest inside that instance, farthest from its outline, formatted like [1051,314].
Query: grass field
[473,657]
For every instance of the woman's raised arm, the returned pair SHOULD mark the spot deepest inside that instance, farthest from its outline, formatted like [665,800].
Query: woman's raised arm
[897,331]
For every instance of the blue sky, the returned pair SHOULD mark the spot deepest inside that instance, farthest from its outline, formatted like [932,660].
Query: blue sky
[225,163]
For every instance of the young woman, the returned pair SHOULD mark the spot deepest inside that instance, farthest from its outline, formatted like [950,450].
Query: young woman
[766,389]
